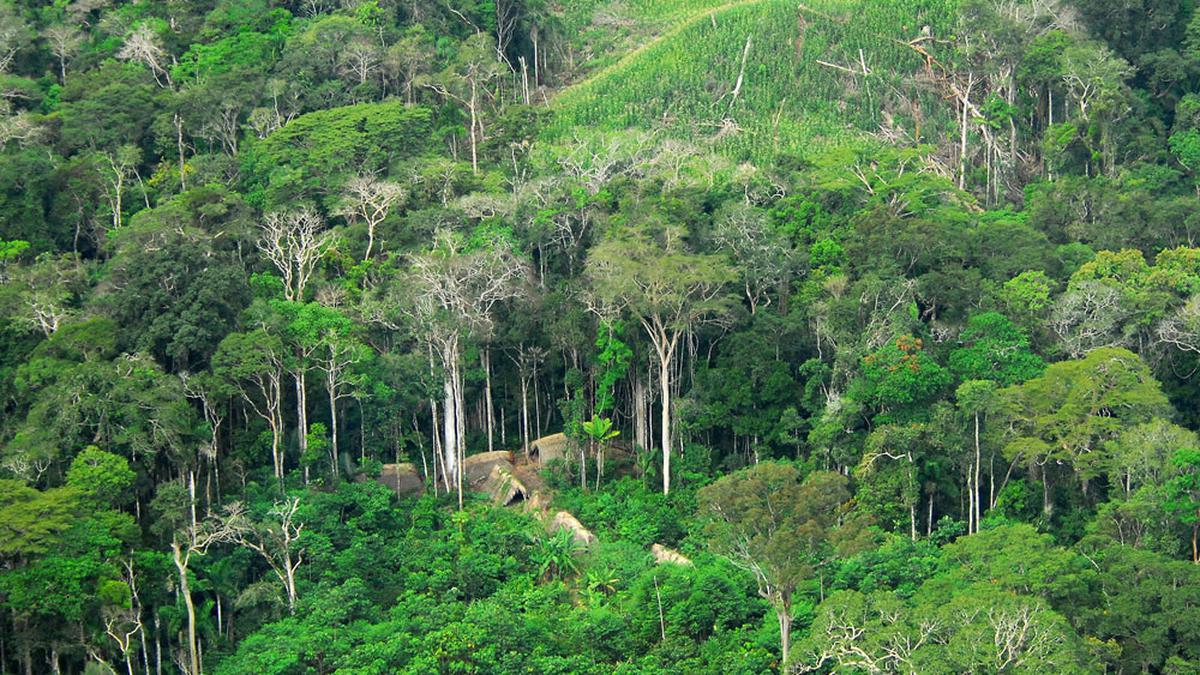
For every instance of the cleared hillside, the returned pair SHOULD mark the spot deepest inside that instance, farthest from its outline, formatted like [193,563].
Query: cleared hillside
[811,74]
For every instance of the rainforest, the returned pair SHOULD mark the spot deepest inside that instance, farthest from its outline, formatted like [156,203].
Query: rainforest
[599,336]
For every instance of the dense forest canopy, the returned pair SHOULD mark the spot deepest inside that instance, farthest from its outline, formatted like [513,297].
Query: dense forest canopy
[591,336]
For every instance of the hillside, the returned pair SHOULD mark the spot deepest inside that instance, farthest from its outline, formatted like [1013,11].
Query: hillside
[757,77]
[599,337]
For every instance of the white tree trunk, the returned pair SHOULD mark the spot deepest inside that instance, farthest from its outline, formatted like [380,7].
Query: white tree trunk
[664,362]
[302,408]
[335,452]
[489,411]
[186,592]
[449,433]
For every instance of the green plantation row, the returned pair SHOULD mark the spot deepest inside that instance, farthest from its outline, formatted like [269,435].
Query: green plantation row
[788,100]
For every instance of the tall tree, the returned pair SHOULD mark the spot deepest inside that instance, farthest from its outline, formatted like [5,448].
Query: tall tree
[769,522]
[255,362]
[1070,413]
[455,289]
[370,200]
[1183,494]
[669,290]
[467,81]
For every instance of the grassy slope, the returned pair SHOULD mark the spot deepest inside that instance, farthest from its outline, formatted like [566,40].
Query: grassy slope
[788,101]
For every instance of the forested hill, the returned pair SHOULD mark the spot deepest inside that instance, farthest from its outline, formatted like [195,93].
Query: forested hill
[599,336]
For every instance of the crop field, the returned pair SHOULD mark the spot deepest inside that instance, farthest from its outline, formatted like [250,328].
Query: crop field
[812,74]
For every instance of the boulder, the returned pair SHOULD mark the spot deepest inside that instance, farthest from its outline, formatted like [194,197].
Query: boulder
[565,521]
[667,556]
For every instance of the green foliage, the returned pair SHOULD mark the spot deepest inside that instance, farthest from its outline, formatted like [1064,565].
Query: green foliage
[1067,414]
[310,156]
[33,519]
[900,378]
[614,357]
[554,555]
[688,75]
[629,511]
[102,477]
[1183,491]
[993,348]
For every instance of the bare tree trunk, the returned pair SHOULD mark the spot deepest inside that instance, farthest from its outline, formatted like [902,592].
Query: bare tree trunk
[186,592]
[664,360]
[1047,503]
[335,452]
[640,432]
[449,436]
[537,404]
[145,647]
[975,489]
[460,429]
[474,123]
[785,632]
[157,645]
[301,408]
[971,496]
[485,357]
[179,148]
[525,416]
[290,581]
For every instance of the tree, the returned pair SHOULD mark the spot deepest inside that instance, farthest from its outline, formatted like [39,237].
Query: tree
[1069,413]
[143,46]
[976,398]
[294,242]
[276,540]
[31,520]
[762,255]
[901,379]
[599,430]
[102,477]
[668,289]
[15,35]
[466,80]
[64,43]
[409,58]
[1142,455]
[339,356]
[1182,328]
[975,628]
[51,287]
[370,200]
[254,362]
[195,542]
[993,348]
[782,530]
[118,167]
[177,281]
[455,289]
[1183,494]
